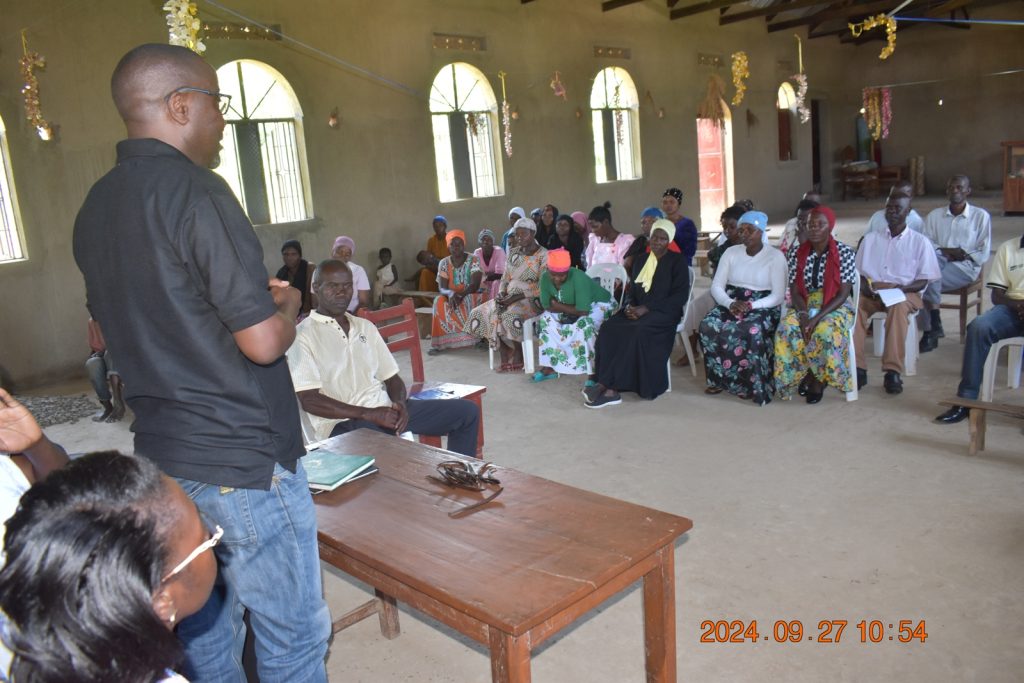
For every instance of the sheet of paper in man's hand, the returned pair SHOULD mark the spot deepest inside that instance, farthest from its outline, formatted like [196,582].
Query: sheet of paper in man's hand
[891,297]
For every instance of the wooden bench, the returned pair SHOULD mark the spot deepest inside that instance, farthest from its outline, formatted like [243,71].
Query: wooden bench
[976,421]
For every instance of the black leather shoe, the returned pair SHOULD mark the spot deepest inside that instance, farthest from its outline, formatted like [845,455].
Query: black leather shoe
[813,398]
[862,378]
[929,342]
[893,384]
[953,415]
[802,389]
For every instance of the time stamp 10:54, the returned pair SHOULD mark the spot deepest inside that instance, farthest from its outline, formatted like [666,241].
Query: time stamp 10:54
[828,631]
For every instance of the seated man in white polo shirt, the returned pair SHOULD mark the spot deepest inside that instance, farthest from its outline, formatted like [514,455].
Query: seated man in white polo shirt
[962,237]
[1004,320]
[897,259]
[346,378]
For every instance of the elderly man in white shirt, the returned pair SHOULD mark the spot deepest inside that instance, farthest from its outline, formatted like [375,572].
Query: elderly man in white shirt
[962,237]
[898,259]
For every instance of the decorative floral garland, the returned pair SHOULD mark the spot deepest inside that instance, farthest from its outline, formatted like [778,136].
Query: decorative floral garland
[183,25]
[506,116]
[29,62]
[618,116]
[878,111]
[801,95]
[473,121]
[558,87]
[740,72]
[872,22]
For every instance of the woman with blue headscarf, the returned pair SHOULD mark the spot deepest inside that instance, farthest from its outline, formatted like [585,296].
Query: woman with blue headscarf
[738,335]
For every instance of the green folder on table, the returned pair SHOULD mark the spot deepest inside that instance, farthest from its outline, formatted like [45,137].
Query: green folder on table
[327,470]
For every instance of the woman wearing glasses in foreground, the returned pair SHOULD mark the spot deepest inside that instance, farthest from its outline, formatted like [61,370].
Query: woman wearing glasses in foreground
[104,558]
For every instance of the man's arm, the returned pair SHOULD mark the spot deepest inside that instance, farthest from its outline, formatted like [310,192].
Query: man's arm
[315,403]
[266,341]
[915,286]
[999,298]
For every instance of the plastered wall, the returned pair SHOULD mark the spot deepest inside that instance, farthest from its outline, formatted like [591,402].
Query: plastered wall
[373,178]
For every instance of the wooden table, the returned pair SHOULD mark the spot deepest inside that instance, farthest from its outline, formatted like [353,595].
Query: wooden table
[510,574]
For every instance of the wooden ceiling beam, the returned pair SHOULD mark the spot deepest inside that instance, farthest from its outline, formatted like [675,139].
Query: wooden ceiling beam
[609,5]
[829,14]
[947,7]
[771,9]
[690,10]
[671,3]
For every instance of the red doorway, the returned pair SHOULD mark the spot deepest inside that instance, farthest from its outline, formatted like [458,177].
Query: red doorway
[714,164]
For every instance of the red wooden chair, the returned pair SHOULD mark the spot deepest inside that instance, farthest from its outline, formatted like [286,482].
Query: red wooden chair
[399,328]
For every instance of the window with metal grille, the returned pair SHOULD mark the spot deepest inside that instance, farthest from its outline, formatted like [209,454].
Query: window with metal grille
[464,118]
[11,247]
[263,155]
[614,106]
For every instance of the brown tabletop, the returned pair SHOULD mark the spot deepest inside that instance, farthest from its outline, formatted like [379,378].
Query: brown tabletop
[510,574]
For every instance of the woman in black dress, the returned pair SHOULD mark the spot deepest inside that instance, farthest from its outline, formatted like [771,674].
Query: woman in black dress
[564,236]
[634,345]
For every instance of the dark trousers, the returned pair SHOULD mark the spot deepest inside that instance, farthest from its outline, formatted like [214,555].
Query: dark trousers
[997,323]
[456,418]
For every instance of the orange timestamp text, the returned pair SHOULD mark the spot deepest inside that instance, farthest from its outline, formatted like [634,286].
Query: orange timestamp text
[828,631]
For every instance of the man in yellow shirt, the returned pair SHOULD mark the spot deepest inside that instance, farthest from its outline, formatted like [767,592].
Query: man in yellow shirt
[1004,320]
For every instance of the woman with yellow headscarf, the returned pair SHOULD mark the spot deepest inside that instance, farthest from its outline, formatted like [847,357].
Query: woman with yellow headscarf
[458,279]
[634,345]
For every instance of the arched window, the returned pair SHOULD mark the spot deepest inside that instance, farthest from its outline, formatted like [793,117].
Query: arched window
[264,154]
[11,247]
[464,116]
[786,104]
[614,106]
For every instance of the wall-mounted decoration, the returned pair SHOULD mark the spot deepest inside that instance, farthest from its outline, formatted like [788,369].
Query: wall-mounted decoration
[29,62]
[711,106]
[800,78]
[612,52]
[878,111]
[558,87]
[506,116]
[443,41]
[233,30]
[334,121]
[740,72]
[183,25]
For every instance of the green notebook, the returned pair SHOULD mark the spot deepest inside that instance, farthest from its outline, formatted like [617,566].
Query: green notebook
[327,470]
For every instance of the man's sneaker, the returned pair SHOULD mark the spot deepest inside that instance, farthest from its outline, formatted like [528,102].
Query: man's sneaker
[929,341]
[862,378]
[603,400]
[893,384]
[592,393]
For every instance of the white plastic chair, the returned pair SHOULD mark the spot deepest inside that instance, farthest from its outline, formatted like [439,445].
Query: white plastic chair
[606,274]
[1014,346]
[684,338]
[911,350]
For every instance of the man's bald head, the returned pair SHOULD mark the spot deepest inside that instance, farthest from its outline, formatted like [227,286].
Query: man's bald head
[148,73]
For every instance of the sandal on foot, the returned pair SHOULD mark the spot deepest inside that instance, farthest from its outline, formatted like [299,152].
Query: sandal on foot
[712,390]
[540,376]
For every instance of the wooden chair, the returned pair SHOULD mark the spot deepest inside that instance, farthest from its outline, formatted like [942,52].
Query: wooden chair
[971,296]
[863,182]
[400,330]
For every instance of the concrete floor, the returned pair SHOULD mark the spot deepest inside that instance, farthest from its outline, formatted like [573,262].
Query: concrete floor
[863,510]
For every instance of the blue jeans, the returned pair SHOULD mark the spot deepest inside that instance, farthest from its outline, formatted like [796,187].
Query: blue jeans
[270,565]
[998,323]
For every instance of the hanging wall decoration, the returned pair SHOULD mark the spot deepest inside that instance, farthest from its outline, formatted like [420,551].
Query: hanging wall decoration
[506,116]
[740,72]
[29,62]
[873,22]
[558,87]
[878,111]
[473,122]
[711,106]
[618,116]
[183,25]
[800,78]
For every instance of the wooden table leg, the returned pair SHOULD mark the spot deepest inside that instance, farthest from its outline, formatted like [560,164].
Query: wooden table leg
[510,657]
[977,430]
[389,626]
[660,619]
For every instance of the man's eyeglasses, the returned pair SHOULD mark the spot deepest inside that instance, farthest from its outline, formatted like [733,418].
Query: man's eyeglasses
[208,544]
[224,100]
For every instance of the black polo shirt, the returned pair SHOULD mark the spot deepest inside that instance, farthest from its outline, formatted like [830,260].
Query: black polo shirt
[172,268]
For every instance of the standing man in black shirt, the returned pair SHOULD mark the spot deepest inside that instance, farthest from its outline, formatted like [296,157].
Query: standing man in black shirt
[174,274]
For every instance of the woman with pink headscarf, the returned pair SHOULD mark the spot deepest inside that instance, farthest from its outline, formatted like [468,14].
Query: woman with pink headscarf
[344,249]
